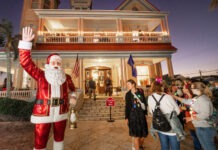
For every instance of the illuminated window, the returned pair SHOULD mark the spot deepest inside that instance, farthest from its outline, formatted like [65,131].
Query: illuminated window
[143,75]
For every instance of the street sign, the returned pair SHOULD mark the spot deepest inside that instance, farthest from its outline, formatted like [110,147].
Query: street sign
[110,101]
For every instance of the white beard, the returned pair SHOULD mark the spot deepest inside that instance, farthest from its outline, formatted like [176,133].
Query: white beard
[55,77]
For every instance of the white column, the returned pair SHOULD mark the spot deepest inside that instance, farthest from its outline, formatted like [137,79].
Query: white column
[170,67]
[18,77]
[81,74]
[158,69]
[123,80]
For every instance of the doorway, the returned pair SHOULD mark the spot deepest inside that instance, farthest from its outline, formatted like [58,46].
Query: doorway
[99,75]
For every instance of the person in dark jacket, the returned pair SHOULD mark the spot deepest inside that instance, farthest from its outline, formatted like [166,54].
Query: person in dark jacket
[135,114]
[92,87]
[108,89]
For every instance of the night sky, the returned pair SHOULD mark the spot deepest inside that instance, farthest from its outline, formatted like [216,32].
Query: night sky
[193,28]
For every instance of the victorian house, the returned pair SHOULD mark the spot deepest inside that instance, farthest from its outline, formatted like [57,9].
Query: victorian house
[103,40]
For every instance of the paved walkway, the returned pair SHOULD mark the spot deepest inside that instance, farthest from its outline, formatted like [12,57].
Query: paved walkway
[103,135]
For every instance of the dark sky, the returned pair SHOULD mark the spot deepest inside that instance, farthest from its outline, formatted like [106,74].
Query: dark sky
[193,28]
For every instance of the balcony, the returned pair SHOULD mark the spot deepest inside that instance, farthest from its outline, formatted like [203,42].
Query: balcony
[103,37]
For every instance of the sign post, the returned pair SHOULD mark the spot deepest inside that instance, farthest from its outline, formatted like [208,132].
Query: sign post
[110,102]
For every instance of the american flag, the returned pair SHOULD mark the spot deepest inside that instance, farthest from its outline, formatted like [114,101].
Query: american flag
[76,68]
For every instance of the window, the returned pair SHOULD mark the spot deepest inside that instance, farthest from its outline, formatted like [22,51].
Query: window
[46,4]
[35,4]
[135,9]
[142,75]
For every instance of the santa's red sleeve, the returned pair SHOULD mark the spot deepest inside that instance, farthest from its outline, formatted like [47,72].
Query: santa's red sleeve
[26,60]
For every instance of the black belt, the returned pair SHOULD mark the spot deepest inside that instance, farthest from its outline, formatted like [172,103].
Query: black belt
[53,102]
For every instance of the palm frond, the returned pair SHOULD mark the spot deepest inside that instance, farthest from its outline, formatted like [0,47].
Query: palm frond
[6,27]
[14,44]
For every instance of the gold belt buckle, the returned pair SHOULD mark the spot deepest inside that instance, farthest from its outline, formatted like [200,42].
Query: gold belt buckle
[55,102]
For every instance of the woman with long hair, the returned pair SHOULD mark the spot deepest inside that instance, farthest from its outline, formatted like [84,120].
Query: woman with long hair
[168,140]
[202,109]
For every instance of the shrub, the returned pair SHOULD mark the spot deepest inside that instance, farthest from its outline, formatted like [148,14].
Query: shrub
[17,108]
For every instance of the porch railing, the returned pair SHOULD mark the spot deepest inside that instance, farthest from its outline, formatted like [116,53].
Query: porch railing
[27,95]
[102,37]
[30,95]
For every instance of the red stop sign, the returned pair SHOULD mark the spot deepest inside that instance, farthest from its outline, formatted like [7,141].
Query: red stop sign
[110,101]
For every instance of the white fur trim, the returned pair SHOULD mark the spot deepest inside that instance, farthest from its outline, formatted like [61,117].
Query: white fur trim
[58,145]
[55,90]
[54,58]
[25,45]
[38,149]
[53,117]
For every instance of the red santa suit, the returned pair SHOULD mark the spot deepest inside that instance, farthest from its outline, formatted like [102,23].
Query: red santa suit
[51,105]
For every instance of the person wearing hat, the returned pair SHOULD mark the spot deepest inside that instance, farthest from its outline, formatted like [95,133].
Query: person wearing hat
[51,104]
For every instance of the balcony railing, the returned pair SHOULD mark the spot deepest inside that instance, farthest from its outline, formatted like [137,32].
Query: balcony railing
[103,37]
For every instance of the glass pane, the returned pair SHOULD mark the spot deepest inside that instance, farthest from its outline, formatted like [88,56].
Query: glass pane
[142,70]
[142,75]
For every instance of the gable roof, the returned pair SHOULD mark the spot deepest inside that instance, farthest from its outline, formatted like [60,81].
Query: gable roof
[143,3]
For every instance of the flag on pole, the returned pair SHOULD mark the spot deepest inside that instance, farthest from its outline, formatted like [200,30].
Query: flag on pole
[131,63]
[76,68]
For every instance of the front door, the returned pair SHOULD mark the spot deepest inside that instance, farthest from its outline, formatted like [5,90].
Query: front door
[99,75]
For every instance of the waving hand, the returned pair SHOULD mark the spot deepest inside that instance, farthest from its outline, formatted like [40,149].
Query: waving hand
[27,34]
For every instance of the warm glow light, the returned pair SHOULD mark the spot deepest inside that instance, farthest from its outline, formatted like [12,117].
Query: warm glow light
[56,25]
[134,33]
[143,75]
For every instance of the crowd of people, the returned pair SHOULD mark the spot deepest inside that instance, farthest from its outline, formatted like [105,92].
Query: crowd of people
[186,105]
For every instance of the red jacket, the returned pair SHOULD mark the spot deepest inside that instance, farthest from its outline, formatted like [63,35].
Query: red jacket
[44,88]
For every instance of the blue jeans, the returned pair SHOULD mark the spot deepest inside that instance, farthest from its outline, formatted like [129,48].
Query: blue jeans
[169,142]
[206,137]
[196,142]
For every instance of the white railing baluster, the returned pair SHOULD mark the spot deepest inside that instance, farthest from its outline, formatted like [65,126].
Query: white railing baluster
[22,95]
[102,37]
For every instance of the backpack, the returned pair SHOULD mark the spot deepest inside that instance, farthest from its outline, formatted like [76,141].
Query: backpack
[159,120]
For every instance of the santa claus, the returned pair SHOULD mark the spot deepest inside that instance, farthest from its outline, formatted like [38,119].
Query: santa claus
[51,104]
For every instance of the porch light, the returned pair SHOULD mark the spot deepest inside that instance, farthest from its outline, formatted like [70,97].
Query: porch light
[100,60]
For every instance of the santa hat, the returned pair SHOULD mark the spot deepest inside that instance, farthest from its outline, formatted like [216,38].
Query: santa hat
[53,56]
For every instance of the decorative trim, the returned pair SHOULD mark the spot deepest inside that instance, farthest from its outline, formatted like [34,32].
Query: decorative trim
[25,45]
[54,116]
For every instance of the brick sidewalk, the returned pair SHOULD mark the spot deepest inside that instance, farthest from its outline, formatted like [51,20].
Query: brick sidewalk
[90,135]
[102,135]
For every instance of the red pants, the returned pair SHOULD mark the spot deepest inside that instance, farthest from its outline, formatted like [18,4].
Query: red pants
[42,133]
